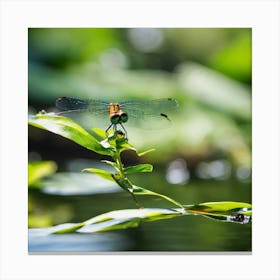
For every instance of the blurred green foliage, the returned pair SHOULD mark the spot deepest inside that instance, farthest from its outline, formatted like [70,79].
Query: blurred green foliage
[39,170]
[208,70]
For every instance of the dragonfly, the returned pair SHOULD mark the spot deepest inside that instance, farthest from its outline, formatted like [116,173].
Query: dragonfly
[119,113]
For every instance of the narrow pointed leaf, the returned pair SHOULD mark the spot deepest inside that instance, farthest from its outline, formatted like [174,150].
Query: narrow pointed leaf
[138,168]
[141,191]
[112,164]
[124,183]
[66,228]
[234,218]
[221,208]
[145,152]
[126,146]
[135,190]
[99,133]
[113,224]
[127,218]
[102,173]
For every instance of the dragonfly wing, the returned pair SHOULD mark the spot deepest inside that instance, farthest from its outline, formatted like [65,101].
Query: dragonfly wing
[149,114]
[98,107]
[88,113]
[69,104]
[142,108]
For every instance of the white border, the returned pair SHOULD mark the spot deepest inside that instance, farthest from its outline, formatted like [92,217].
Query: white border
[262,16]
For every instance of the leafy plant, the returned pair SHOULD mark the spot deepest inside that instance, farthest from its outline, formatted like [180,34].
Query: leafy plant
[39,169]
[113,144]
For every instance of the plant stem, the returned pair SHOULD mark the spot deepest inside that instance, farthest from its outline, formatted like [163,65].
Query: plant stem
[119,163]
[135,200]
[123,178]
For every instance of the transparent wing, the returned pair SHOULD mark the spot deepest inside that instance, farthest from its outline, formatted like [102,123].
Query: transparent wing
[145,108]
[88,113]
[149,114]
[69,104]
[95,113]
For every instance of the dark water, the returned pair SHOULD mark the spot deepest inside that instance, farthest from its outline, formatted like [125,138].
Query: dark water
[181,234]
[162,236]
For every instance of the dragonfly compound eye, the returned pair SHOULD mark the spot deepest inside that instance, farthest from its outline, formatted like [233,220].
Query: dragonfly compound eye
[123,117]
[115,119]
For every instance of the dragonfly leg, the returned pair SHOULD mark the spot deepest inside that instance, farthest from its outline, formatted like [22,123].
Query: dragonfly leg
[108,128]
[115,128]
[125,132]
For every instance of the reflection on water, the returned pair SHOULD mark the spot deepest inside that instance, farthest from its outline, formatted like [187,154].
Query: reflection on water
[39,241]
[193,234]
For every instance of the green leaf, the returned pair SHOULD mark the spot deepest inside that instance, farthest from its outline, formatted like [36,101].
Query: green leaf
[113,224]
[141,191]
[38,170]
[119,219]
[234,218]
[112,164]
[65,228]
[220,208]
[145,152]
[135,190]
[69,129]
[138,168]
[126,146]
[99,134]
[127,218]
[102,173]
